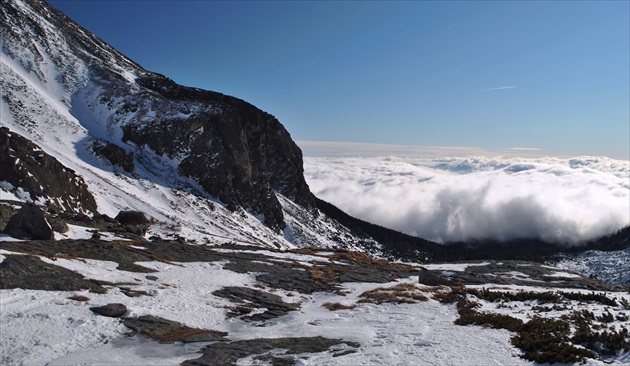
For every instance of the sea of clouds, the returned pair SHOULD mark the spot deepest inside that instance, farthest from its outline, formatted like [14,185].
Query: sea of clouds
[557,200]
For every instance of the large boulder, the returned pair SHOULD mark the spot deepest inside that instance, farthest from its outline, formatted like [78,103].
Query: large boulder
[132,218]
[430,278]
[29,223]
[113,310]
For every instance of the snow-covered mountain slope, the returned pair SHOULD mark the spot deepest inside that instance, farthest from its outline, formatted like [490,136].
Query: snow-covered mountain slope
[210,167]
[77,116]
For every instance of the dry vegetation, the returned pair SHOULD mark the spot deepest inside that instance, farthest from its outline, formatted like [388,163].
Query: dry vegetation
[402,293]
[569,338]
[79,298]
[334,306]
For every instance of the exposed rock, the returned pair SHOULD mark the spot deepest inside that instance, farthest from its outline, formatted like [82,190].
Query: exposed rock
[28,272]
[83,218]
[40,176]
[431,278]
[114,154]
[235,151]
[102,218]
[132,218]
[114,310]
[168,331]
[6,212]
[136,230]
[228,353]
[253,299]
[521,273]
[124,255]
[29,223]
[58,224]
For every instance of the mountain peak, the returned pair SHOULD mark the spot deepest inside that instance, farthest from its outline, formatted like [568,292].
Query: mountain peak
[86,89]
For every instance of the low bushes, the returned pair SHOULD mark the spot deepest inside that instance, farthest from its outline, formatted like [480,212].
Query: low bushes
[570,338]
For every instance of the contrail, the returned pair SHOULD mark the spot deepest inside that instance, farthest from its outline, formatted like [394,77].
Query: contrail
[499,88]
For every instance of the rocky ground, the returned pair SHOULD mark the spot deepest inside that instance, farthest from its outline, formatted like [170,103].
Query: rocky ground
[115,268]
[282,282]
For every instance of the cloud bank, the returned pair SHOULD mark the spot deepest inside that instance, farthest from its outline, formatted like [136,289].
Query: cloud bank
[451,199]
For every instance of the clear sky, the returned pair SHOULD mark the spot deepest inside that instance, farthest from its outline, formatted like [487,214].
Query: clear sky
[550,75]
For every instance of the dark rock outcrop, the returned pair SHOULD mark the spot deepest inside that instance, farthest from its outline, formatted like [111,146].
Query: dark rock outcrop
[29,223]
[225,353]
[23,164]
[431,278]
[28,272]
[132,218]
[168,331]
[253,299]
[235,151]
[115,155]
[521,273]
[114,310]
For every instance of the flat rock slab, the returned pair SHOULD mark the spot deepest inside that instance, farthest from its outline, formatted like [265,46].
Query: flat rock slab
[168,331]
[256,299]
[29,272]
[228,353]
[114,310]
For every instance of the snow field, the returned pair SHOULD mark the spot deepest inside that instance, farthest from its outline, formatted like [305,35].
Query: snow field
[47,327]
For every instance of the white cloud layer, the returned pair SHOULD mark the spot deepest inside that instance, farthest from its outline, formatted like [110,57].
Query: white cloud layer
[454,199]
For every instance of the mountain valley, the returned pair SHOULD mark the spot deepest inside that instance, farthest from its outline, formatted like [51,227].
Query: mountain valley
[145,222]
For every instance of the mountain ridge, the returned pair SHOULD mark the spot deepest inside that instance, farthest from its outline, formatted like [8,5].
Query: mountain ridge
[231,149]
[177,228]
[141,140]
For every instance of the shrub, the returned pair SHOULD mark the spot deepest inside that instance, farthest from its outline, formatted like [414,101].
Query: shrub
[547,340]
[448,295]
[601,298]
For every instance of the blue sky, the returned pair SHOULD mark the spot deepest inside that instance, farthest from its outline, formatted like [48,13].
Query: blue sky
[496,75]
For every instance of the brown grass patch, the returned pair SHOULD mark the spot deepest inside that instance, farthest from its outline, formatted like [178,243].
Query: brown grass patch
[447,295]
[79,298]
[133,293]
[402,293]
[238,310]
[334,306]
[359,257]
[322,273]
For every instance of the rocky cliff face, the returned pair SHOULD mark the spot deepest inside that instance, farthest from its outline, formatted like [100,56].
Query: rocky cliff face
[30,172]
[235,151]
[231,149]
